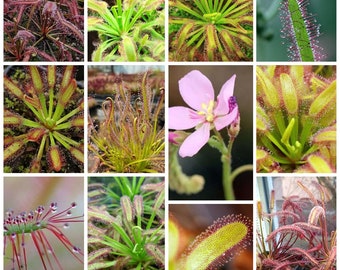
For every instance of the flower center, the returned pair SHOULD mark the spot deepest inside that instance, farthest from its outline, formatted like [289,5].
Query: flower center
[208,111]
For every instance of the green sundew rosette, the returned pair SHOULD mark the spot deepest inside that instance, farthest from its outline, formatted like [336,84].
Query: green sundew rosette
[218,243]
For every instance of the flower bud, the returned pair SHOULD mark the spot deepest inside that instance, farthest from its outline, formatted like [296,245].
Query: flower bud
[177,137]
[234,127]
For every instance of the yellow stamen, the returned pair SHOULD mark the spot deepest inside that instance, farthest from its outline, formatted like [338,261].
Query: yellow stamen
[207,111]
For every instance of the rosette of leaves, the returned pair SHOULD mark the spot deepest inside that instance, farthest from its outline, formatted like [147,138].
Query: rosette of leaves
[40,30]
[43,120]
[130,138]
[296,119]
[210,30]
[128,31]
[126,223]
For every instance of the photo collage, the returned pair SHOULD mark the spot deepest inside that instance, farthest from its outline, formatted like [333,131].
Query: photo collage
[169,134]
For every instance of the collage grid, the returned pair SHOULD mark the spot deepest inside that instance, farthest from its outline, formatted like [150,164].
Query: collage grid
[169,134]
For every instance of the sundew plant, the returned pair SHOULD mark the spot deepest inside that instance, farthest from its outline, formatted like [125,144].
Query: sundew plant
[39,229]
[296,119]
[202,123]
[43,120]
[130,30]
[126,223]
[212,30]
[301,239]
[41,30]
[130,137]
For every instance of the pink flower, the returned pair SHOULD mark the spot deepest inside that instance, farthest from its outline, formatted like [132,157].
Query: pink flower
[205,113]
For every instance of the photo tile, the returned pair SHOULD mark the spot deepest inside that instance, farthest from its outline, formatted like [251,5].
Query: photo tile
[126,31]
[296,222]
[216,31]
[126,222]
[210,236]
[43,222]
[296,30]
[296,119]
[43,119]
[219,99]
[43,31]
[126,123]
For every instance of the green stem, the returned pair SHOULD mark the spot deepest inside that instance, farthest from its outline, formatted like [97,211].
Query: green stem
[227,183]
[226,167]
[239,170]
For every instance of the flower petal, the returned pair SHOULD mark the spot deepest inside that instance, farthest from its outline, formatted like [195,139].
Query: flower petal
[194,142]
[226,92]
[196,89]
[183,118]
[223,121]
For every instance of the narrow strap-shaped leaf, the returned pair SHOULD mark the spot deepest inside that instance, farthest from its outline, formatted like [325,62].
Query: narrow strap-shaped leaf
[210,42]
[125,237]
[182,34]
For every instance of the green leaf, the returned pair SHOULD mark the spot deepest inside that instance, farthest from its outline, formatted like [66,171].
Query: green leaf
[101,265]
[125,237]
[323,100]
[129,49]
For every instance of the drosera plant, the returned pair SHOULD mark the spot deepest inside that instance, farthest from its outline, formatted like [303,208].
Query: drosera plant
[210,30]
[296,119]
[41,30]
[298,241]
[218,244]
[126,223]
[129,139]
[43,120]
[300,31]
[35,226]
[128,31]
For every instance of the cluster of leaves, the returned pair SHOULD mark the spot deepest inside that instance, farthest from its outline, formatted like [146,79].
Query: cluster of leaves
[130,138]
[126,223]
[210,30]
[131,30]
[297,242]
[296,119]
[43,120]
[41,30]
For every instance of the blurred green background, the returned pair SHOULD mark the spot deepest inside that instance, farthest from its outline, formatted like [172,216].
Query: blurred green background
[269,42]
